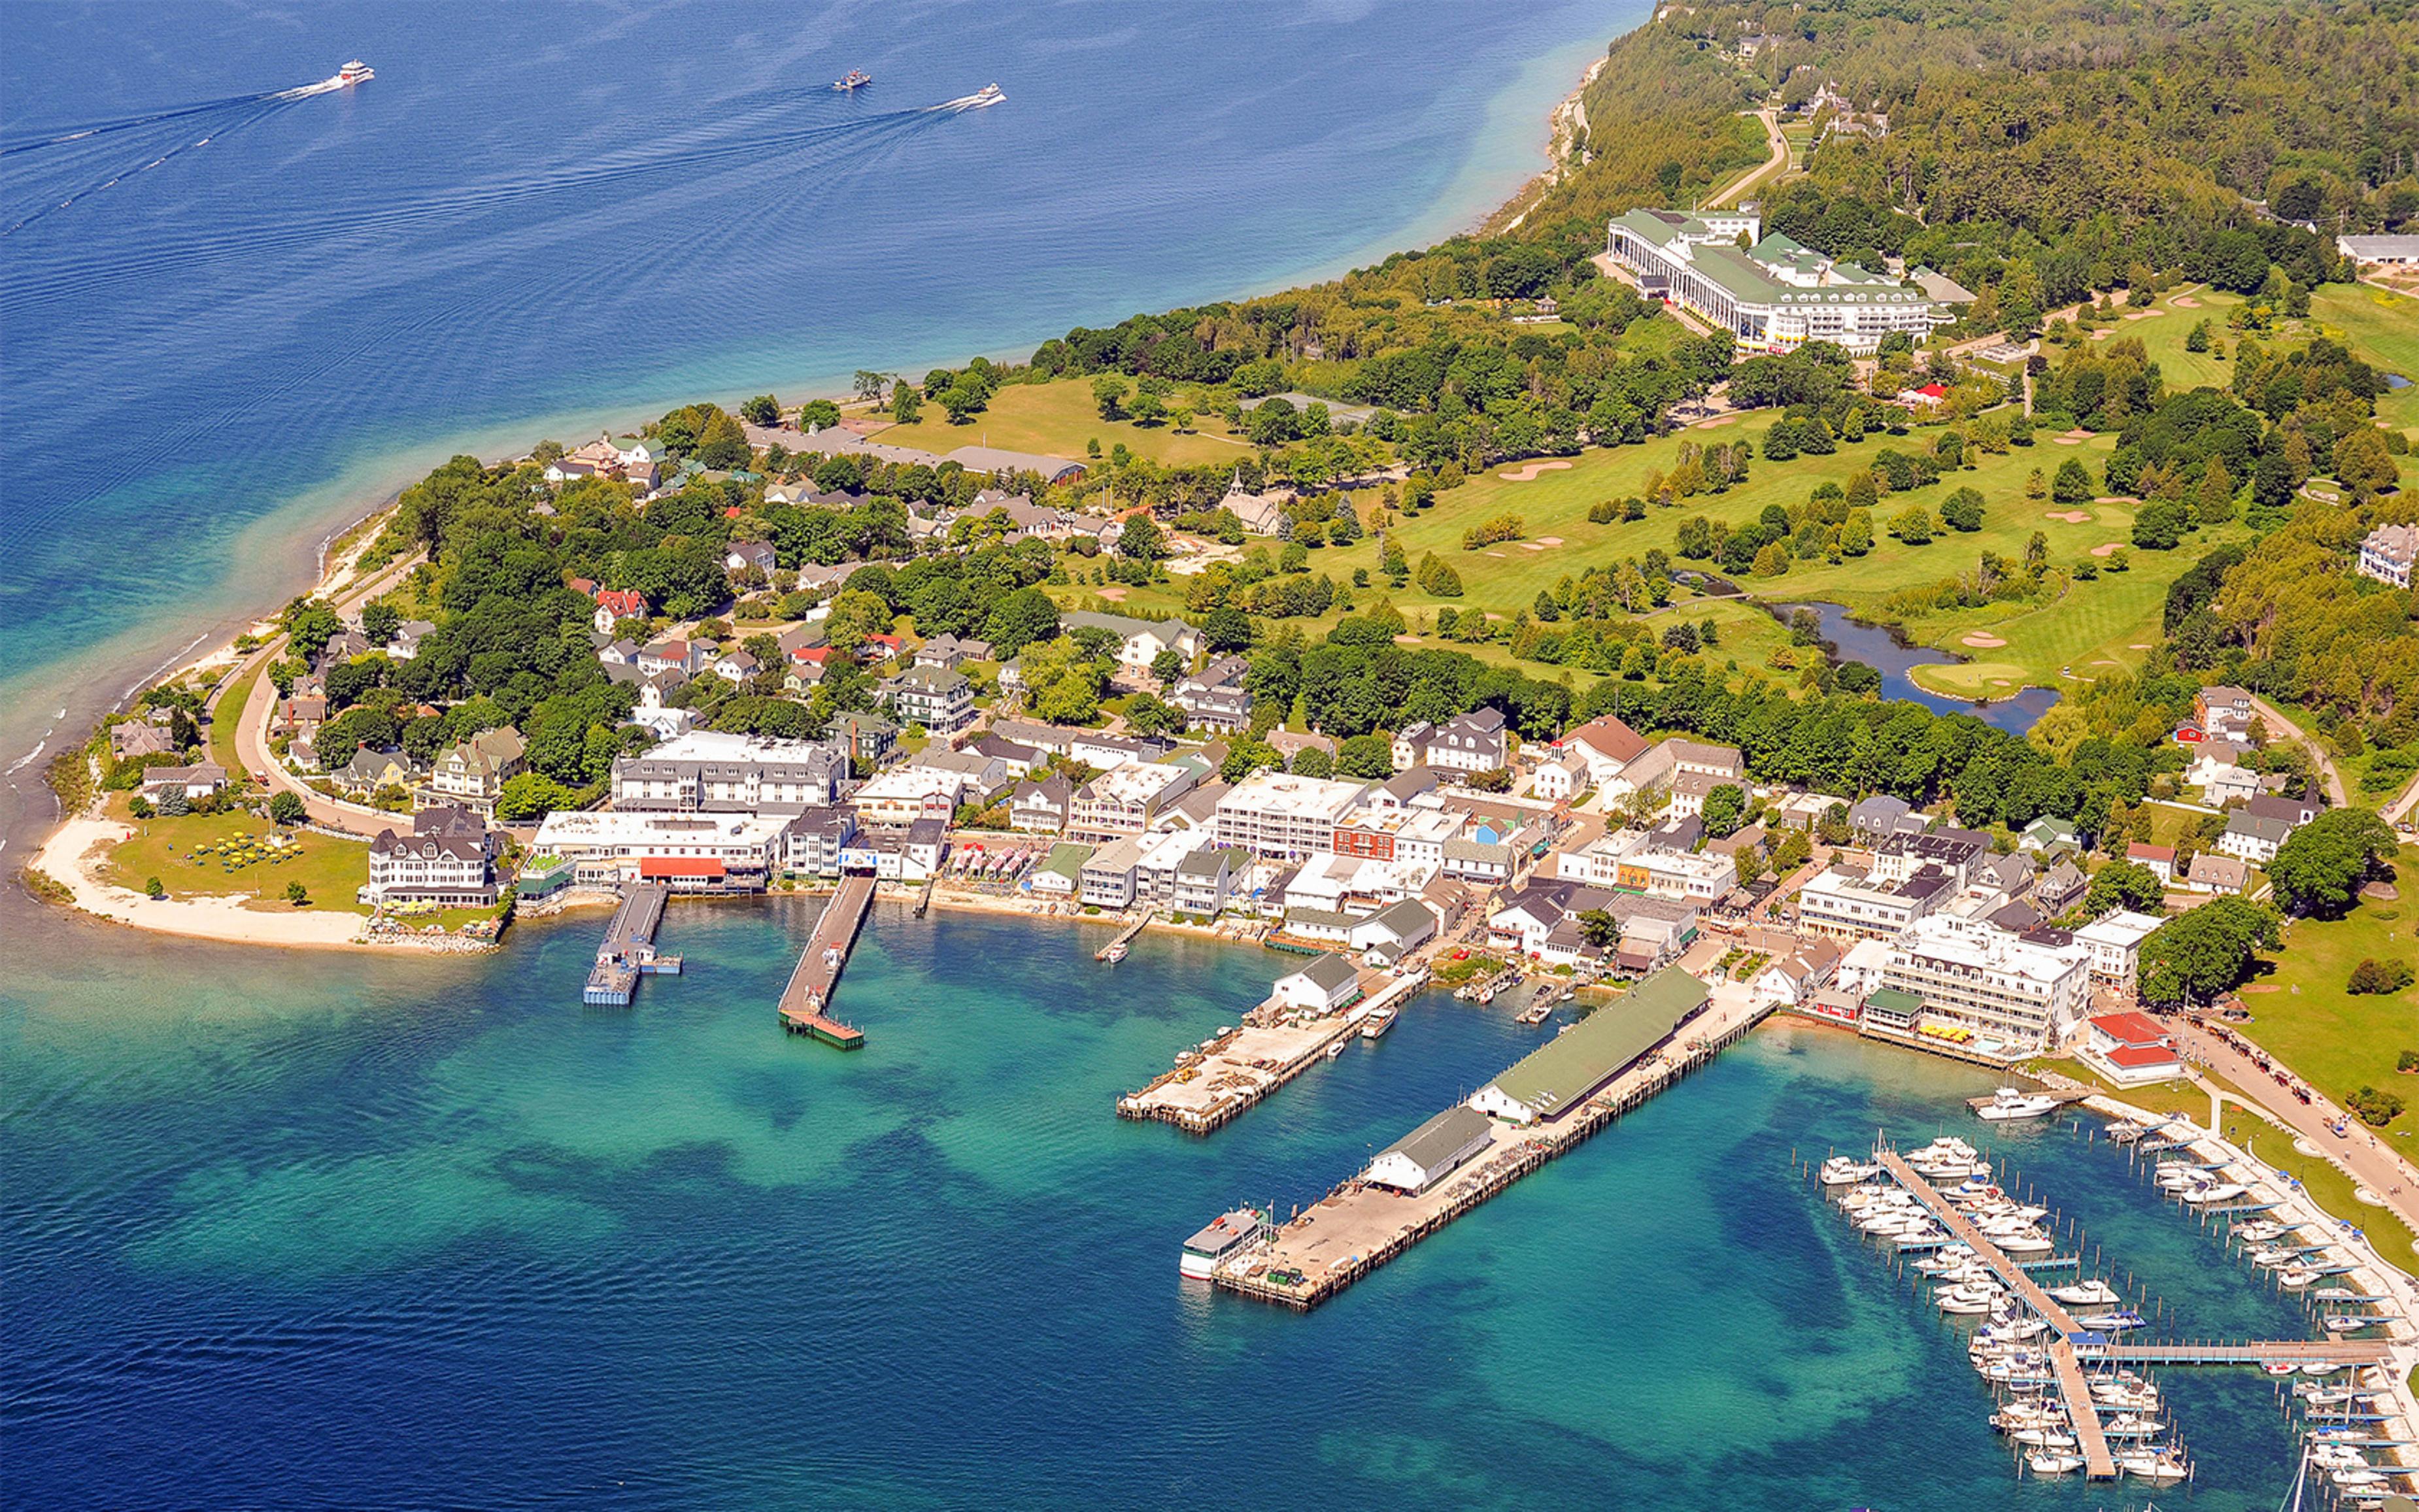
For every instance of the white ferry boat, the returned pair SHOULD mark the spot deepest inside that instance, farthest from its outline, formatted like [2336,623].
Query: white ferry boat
[1230,1232]
[355,73]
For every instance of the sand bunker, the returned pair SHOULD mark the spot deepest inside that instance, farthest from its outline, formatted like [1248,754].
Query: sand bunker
[2072,517]
[1985,640]
[1527,472]
[1549,540]
[2261,987]
[1113,595]
[2078,434]
[2108,548]
[2142,314]
[1714,424]
[2185,301]
[2067,440]
[1531,546]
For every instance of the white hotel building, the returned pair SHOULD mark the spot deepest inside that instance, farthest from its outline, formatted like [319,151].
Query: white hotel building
[2027,996]
[1773,294]
[1279,816]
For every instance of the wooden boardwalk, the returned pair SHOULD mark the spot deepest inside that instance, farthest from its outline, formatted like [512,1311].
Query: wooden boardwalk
[2098,1463]
[2248,1352]
[806,1002]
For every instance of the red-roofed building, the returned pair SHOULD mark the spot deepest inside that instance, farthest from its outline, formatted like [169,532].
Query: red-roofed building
[1926,396]
[2159,858]
[614,605]
[2129,1049]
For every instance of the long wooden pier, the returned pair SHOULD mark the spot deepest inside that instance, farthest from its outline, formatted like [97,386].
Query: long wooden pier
[2098,1463]
[1358,1227]
[629,948]
[806,1002]
[1125,936]
[1227,1074]
[2247,1352]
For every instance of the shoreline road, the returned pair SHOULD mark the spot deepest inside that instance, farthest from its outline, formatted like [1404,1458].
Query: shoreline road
[251,726]
[2366,1155]
[2277,724]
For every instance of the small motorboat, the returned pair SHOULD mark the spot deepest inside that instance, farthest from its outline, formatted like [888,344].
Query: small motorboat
[2262,1231]
[855,80]
[2112,1321]
[2051,1462]
[2043,1438]
[2222,1192]
[2161,1466]
[2351,1322]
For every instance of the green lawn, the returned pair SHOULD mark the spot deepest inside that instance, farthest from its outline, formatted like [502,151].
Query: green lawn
[2329,1187]
[2336,1041]
[331,869]
[2385,329]
[1059,418]
[229,718]
[2102,622]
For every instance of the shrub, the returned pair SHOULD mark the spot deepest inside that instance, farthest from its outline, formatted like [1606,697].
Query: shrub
[287,809]
[2378,978]
[1488,533]
[155,888]
[139,806]
[2409,1061]
[2377,1109]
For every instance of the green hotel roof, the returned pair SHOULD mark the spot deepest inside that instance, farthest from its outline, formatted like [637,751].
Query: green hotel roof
[1573,1064]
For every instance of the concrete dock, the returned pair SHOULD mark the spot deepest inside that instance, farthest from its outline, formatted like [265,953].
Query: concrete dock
[629,948]
[806,1002]
[1359,1227]
[1218,1081]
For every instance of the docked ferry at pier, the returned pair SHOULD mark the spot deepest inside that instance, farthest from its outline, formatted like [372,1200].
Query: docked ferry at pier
[1231,1231]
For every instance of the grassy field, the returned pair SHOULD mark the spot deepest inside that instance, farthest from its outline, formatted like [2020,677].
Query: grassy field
[331,869]
[2385,329]
[1058,419]
[2337,1042]
[229,718]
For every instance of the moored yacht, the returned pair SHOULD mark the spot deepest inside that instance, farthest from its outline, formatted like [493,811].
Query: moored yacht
[2011,1102]
[2092,1293]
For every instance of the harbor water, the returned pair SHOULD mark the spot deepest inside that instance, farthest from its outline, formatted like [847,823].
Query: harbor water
[295,1231]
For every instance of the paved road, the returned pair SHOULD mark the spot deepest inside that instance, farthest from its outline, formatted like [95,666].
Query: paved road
[2369,1156]
[1779,146]
[252,730]
[2279,725]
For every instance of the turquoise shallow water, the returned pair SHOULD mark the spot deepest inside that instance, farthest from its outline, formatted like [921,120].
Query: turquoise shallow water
[394,1233]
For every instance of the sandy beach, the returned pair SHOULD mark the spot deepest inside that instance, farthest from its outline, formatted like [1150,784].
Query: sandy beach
[69,857]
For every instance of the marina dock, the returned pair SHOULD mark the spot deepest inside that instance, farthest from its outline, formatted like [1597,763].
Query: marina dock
[1219,1080]
[629,948]
[1360,1225]
[2098,1462]
[806,1002]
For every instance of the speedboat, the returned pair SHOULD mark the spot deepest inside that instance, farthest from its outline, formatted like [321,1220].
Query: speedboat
[2051,1462]
[856,79]
[2128,1398]
[2043,1438]
[2092,1293]
[2296,1277]
[2011,1102]
[2274,1257]
[2321,1367]
[2031,1241]
[2111,1322]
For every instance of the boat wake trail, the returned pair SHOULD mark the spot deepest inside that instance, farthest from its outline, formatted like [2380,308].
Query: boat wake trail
[129,123]
[222,121]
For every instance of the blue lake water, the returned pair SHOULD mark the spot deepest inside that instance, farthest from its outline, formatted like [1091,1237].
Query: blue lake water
[396,1233]
[230,330]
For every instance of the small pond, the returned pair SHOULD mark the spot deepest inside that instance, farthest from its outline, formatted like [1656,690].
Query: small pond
[1880,647]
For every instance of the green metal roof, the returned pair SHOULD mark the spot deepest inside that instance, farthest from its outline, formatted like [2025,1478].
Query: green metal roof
[1067,861]
[1893,1000]
[1573,1064]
